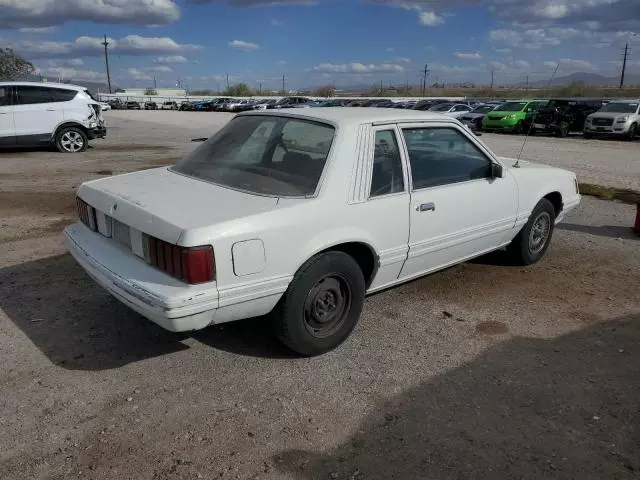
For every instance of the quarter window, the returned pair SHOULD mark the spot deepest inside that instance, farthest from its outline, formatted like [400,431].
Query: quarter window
[440,156]
[5,96]
[62,95]
[387,166]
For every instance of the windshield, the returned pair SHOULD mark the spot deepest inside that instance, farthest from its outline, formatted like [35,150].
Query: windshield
[511,107]
[263,154]
[620,107]
[483,109]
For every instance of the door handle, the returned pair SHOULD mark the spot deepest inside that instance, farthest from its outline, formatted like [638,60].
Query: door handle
[426,207]
[51,109]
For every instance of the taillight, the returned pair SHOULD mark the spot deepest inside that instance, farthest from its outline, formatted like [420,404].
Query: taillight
[87,214]
[191,264]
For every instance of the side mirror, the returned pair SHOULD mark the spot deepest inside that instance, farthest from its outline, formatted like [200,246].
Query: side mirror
[496,170]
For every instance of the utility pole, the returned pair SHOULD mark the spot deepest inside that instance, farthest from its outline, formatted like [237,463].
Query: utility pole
[526,84]
[283,91]
[424,79]
[624,63]
[154,83]
[260,89]
[227,81]
[106,61]
[492,79]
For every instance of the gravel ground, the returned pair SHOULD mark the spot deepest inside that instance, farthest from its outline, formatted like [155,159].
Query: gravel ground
[482,370]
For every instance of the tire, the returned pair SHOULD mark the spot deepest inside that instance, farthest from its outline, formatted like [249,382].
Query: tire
[633,132]
[322,304]
[563,130]
[71,140]
[532,242]
[519,128]
[587,135]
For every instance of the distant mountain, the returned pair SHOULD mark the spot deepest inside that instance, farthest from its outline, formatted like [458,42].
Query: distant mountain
[592,79]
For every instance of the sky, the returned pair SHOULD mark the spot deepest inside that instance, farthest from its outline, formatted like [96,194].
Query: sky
[321,42]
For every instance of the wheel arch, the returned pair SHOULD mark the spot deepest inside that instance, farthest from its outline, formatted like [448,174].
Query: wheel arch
[68,123]
[556,200]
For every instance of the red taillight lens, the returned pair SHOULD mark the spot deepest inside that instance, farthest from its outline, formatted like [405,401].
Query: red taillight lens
[86,213]
[193,264]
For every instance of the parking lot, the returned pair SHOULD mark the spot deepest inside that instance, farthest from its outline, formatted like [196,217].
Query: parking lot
[482,370]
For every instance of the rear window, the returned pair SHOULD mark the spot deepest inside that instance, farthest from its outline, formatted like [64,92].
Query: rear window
[263,154]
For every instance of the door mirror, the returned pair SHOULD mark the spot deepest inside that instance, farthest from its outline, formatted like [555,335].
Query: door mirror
[496,170]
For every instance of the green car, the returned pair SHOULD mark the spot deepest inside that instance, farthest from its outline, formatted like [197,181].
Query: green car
[510,116]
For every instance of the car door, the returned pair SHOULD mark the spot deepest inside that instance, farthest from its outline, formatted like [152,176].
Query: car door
[36,114]
[7,129]
[381,199]
[462,202]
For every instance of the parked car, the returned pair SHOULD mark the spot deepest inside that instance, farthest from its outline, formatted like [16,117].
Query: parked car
[64,115]
[511,116]
[104,106]
[263,104]
[473,119]
[302,220]
[237,105]
[426,104]
[618,117]
[187,106]
[169,105]
[219,104]
[562,116]
[133,105]
[150,106]
[116,105]
[453,110]
[289,102]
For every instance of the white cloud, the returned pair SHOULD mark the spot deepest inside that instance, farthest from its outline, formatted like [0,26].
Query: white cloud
[276,23]
[391,50]
[76,62]
[502,50]
[45,13]
[358,68]
[281,62]
[430,19]
[242,45]
[171,59]
[38,30]
[138,74]
[68,73]
[161,69]
[402,60]
[468,56]
[92,46]
[575,64]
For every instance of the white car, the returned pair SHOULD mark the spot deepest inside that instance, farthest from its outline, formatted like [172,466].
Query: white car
[49,113]
[301,213]
[454,110]
[169,106]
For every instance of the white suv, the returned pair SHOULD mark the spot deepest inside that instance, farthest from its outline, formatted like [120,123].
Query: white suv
[34,113]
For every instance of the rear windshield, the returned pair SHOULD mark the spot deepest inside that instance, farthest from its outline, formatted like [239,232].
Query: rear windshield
[263,154]
[620,107]
[511,107]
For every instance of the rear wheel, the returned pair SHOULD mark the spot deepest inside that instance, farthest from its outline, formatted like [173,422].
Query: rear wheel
[532,242]
[71,140]
[322,304]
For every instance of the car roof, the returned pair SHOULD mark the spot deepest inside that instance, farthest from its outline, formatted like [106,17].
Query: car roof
[344,116]
[68,86]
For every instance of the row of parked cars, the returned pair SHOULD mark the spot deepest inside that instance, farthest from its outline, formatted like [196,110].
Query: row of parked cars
[557,116]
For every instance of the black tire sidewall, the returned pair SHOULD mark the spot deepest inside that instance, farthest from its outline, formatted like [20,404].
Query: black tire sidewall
[633,132]
[289,316]
[62,131]
[520,245]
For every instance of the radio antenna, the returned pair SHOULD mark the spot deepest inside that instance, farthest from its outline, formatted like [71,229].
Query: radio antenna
[546,94]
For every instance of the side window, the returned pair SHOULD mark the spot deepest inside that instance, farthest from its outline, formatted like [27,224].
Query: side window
[29,95]
[460,108]
[440,156]
[387,166]
[62,95]
[5,96]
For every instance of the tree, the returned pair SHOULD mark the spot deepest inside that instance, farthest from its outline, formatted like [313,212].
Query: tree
[324,91]
[239,90]
[13,66]
[150,91]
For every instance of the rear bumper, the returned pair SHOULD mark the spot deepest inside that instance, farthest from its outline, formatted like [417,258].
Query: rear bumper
[97,132]
[165,301]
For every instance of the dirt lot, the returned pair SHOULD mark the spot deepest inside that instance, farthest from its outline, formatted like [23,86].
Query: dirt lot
[483,370]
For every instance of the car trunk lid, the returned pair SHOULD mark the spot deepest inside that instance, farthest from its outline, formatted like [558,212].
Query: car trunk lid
[165,204]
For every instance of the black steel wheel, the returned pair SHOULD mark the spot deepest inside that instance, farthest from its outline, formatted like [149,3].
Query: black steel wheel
[322,304]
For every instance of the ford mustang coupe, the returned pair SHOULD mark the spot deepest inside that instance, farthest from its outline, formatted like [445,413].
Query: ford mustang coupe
[301,213]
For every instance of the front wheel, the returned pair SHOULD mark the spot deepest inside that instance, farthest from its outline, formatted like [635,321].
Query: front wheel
[71,140]
[563,130]
[322,304]
[532,242]
[633,132]
[519,128]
